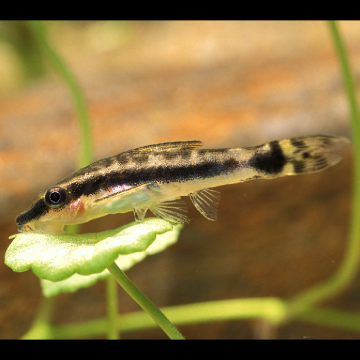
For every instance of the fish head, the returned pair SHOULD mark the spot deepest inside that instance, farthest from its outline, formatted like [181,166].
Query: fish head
[51,211]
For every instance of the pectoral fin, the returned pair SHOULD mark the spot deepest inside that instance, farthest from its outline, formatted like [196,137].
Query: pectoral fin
[118,191]
[171,211]
[139,213]
[113,201]
[206,201]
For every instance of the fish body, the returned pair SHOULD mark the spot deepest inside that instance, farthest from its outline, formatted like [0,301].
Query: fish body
[155,177]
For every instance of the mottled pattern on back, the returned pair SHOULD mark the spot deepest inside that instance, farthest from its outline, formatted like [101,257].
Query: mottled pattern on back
[150,166]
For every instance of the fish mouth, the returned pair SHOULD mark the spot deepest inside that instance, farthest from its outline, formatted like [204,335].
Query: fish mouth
[20,220]
[42,228]
[25,228]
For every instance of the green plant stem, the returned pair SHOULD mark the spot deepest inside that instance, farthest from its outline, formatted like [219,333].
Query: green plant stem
[144,302]
[349,321]
[111,299]
[348,268]
[41,328]
[57,62]
[270,309]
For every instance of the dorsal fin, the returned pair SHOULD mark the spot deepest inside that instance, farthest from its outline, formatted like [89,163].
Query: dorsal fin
[169,146]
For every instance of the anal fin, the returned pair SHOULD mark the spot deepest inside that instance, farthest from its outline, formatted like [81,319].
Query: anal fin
[206,201]
[139,213]
[171,211]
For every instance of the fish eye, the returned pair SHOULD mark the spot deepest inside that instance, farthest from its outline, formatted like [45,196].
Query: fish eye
[55,197]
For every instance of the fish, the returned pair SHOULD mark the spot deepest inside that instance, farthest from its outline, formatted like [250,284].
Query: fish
[156,176]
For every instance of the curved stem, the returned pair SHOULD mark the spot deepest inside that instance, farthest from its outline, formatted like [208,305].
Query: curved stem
[348,268]
[144,302]
[79,100]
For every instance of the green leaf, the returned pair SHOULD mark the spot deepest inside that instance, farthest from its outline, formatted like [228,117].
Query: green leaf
[57,257]
[125,262]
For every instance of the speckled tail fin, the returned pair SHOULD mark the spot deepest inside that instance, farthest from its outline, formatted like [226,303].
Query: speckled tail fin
[311,153]
[294,156]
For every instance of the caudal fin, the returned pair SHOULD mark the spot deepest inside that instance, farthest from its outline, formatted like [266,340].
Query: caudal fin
[309,154]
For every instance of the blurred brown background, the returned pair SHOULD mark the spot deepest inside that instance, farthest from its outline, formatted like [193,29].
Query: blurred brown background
[228,84]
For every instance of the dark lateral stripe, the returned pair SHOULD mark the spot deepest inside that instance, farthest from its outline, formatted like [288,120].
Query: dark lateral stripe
[231,164]
[270,162]
[137,176]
